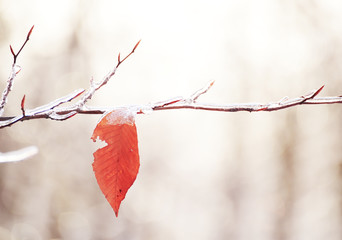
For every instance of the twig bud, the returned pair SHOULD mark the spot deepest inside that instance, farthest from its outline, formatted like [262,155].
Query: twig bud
[136,45]
[12,51]
[29,33]
[22,105]
[318,91]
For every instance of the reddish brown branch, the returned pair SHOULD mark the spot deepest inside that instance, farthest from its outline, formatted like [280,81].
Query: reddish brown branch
[121,61]
[15,55]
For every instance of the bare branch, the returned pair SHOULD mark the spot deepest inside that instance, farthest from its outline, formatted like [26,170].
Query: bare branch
[135,47]
[96,86]
[45,111]
[164,103]
[201,91]
[55,111]
[15,56]
[50,106]
[255,107]
[14,71]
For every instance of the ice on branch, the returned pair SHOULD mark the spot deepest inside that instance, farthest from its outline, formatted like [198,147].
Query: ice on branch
[14,71]
[18,155]
[56,110]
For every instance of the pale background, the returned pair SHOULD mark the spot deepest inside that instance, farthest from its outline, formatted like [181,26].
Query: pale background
[203,175]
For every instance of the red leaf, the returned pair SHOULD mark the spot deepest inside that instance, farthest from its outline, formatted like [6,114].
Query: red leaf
[117,164]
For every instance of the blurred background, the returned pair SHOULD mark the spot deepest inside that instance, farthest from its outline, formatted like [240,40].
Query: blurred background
[203,175]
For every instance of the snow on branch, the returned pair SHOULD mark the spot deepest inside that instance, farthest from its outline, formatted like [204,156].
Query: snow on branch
[56,110]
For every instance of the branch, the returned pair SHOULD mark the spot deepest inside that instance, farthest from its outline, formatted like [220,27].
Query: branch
[18,155]
[96,86]
[56,110]
[191,103]
[15,55]
[14,71]
[53,110]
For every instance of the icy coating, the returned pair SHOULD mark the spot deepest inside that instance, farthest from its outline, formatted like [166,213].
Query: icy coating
[120,116]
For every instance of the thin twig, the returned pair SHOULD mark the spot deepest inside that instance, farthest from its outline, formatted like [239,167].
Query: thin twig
[201,91]
[96,86]
[15,55]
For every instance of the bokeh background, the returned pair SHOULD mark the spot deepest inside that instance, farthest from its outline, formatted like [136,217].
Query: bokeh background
[203,175]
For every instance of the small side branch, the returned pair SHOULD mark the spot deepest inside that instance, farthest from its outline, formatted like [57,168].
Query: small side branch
[14,71]
[54,110]
[15,55]
[201,91]
[94,86]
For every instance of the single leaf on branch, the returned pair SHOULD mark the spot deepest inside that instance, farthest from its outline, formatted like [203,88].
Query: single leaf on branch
[116,165]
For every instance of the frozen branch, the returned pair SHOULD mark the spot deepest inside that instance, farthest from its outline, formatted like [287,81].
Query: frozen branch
[14,71]
[18,155]
[56,110]
[96,86]
[53,110]
[250,107]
